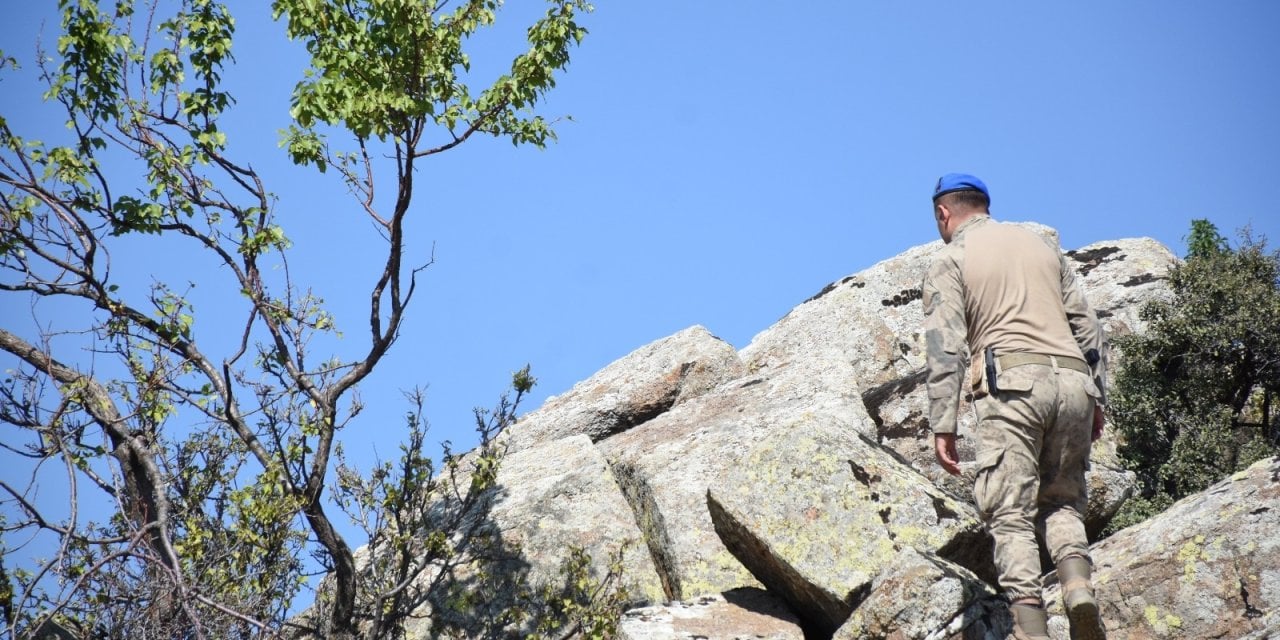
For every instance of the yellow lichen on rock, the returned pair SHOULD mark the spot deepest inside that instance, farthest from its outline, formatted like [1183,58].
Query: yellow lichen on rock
[1191,552]
[1166,625]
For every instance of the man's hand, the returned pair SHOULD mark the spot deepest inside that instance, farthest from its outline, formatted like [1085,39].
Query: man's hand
[1099,419]
[944,446]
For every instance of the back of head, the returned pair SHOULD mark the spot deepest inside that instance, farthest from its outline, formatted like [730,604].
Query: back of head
[962,192]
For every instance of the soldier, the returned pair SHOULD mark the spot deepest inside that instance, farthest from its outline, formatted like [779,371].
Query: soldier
[1007,296]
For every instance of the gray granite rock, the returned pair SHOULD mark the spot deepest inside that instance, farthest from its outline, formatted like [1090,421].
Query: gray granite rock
[561,494]
[870,320]
[548,499]
[900,411]
[1208,567]
[1120,276]
[816,512]
[666,465]
[632,390]
[921,596]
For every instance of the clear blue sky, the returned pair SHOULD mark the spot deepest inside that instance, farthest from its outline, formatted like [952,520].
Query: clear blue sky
[727,159]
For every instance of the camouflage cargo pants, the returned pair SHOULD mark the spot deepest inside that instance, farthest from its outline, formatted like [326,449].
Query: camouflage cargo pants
[1033,449]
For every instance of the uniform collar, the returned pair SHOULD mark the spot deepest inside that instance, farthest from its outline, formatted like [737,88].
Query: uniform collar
[975,220]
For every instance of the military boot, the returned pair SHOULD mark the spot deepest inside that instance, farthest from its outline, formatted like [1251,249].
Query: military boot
[1030,622]
[1077,598]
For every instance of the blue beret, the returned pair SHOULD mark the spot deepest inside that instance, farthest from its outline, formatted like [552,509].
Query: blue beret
[959,182]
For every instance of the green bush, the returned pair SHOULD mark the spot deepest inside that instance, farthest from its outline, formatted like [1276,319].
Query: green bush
[1192,399]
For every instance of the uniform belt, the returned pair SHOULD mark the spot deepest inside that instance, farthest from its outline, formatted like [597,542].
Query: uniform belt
[1011,360]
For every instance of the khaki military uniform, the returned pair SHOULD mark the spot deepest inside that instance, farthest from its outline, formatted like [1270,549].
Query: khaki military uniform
[1003,286]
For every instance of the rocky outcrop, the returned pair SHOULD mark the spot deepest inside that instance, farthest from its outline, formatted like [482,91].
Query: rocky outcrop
[792,485]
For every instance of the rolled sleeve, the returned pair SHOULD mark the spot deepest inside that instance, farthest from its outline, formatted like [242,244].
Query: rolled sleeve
[945,335]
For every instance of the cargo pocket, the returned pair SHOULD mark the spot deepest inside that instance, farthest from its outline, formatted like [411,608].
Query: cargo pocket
[1020,379]
[984,482]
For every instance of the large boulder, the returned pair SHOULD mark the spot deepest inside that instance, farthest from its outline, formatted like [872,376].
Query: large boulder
[1208,567]
[817,511]
[632,390]
[666,465]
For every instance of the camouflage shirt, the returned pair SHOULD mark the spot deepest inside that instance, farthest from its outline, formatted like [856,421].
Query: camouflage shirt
[1004,286]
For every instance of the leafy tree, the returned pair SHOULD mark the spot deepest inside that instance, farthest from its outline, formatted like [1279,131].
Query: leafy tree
[1205,242]
[213,443]
[1193,399]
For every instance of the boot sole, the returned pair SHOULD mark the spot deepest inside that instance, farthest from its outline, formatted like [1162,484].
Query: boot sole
[1086,624]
